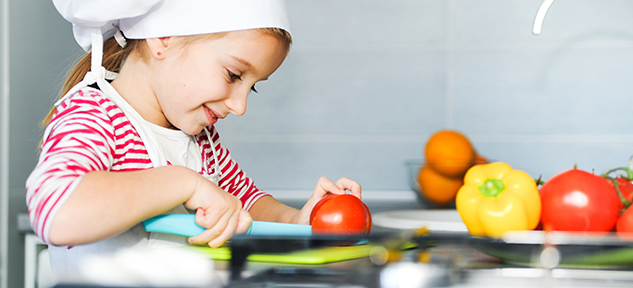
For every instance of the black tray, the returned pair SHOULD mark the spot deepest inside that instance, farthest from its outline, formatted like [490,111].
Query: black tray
[575,250]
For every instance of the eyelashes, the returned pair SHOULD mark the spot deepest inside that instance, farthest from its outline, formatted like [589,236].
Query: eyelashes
[234,77]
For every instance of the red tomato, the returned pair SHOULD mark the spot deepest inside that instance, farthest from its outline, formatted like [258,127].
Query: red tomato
[626,188]
[576,200]
[624,226]
[340,214]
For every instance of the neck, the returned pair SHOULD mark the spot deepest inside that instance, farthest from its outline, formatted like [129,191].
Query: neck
[133,84]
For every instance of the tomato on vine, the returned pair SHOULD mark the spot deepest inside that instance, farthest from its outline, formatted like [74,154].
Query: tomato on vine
[623,186]
[576,200]
[624,226]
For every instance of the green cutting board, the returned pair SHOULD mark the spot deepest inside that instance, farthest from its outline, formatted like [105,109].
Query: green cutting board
[312,256]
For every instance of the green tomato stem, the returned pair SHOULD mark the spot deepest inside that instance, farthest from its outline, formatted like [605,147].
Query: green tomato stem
[539,181]
[616,185]
[627,171]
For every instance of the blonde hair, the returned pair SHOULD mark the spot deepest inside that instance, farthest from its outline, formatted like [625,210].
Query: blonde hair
[114,56]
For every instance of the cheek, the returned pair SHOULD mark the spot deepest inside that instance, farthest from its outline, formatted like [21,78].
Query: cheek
[205,86]
[175,85]
[187,85]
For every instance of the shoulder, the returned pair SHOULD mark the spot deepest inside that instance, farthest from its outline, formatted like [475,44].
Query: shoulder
[88,112]
[88,102]
[86,97]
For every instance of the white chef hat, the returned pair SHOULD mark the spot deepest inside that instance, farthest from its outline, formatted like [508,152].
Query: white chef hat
[141,19]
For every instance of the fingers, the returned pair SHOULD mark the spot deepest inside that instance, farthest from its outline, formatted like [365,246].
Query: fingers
[221,221]
[239,222]
[208,218]
[217,210]
[324,186]
[244,222]
[227,232]
[351,185]
[215,233]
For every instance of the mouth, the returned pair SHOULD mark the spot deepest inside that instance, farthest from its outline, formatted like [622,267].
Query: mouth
[212,117]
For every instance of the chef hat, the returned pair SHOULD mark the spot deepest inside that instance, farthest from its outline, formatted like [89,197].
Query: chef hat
[141,19]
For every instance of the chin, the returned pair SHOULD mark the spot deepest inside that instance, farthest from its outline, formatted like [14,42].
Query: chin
[191,131]
[195,132]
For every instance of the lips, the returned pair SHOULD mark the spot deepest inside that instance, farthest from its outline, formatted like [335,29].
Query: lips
[212,118]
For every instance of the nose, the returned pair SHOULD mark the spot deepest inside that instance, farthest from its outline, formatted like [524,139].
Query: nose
[237,102]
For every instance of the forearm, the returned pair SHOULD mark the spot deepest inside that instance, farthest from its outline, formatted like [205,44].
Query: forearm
[107,203]
[270,209]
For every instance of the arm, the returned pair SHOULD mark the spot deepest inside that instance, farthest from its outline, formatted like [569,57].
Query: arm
[270,209]
[107,203]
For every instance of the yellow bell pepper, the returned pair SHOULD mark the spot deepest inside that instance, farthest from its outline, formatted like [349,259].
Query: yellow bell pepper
[496,198]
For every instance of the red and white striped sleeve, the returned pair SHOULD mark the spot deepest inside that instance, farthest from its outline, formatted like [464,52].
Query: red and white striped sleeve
[80,140]
[233,179]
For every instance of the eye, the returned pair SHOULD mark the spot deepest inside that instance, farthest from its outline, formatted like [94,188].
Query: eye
[234,77]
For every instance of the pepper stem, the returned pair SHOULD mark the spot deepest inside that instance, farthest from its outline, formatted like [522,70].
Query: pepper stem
[492,188]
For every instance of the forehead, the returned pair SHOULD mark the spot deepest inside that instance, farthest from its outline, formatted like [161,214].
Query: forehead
[249,43]
[243,36]
[254,49]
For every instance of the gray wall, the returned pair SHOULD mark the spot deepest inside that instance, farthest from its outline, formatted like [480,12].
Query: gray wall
[41,47]
[4,142]
[367,82]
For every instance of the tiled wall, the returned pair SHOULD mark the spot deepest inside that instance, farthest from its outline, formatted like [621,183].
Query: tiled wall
[367,82]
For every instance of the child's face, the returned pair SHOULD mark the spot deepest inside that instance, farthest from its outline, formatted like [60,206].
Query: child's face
[198,83]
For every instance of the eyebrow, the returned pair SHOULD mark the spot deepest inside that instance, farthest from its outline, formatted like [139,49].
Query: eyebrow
[248,65]
[245,63]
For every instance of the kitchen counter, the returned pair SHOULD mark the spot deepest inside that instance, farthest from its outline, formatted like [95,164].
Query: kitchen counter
[452,263]
[448,262]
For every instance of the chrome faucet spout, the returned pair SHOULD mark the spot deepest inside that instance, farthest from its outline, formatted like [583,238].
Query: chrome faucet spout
[540,16]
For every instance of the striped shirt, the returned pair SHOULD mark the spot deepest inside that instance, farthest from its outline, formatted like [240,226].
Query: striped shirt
[89,132]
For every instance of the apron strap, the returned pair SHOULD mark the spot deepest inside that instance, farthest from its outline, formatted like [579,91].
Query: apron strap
[215,177]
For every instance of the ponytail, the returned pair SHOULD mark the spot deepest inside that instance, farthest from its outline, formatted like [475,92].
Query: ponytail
[113,58]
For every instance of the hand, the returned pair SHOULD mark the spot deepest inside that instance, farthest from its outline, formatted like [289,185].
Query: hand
[218,211]
[326,186]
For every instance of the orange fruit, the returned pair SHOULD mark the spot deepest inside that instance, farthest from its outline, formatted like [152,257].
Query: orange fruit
[437,188]
[450,153]
[480,159]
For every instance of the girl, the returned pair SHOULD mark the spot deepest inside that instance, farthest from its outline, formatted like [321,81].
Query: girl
[116,153]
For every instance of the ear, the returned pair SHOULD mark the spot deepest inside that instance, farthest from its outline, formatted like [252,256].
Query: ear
[158,46]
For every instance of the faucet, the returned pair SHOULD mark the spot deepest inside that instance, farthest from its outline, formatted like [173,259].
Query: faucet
[540,16]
